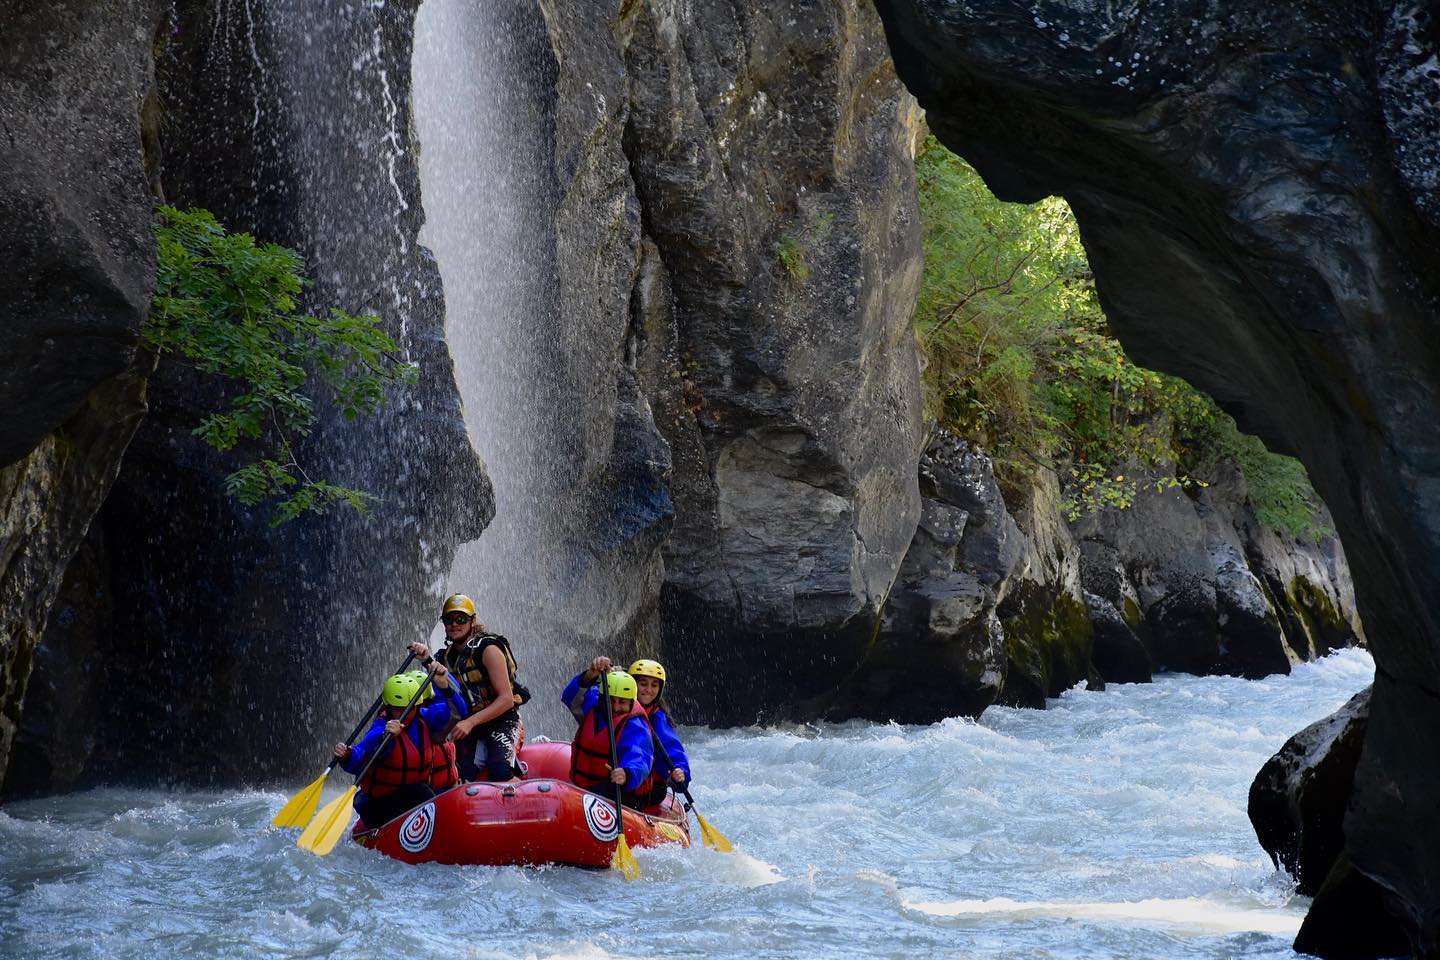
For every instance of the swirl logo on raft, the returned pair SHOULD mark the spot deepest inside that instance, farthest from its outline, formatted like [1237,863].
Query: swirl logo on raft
[600,818]
[418,828]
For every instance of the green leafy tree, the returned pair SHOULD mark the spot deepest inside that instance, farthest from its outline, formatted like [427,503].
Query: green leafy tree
[1019,356]
[229,307]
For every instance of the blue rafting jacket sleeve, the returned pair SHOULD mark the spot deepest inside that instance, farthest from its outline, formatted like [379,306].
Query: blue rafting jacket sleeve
[635,752]
[361,751]
[447,706]
[572,697]
[670,740]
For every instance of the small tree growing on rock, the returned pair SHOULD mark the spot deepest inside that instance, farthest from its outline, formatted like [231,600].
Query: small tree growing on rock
[229,306]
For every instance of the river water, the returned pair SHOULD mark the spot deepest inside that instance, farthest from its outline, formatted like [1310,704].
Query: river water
[1110,825]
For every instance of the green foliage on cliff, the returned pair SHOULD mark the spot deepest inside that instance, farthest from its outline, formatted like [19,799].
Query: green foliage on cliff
[791,254]
[229,307]
[1019,357]
[1278,485]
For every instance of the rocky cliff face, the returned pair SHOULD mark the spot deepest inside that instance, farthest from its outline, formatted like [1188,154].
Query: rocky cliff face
[987,605]
[1001,600]
[616,463]
[313,153]
[710,156]
[75,209]
[1261,222]
[1204,587]
[739,185]
[771,151]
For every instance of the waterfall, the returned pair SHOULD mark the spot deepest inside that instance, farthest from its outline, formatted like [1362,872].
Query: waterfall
[483,91]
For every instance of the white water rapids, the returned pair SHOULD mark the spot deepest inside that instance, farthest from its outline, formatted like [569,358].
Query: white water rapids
[1110,825]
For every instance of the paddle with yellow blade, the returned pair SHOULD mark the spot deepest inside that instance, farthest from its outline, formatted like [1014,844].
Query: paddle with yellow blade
[624,860]
[302,806]
[325,830]
[713,838]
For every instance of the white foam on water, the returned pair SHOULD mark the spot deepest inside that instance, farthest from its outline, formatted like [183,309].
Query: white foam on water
[1191,916]
[1111,824]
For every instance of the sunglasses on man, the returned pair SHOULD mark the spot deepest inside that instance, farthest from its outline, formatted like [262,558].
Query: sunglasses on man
[451,619]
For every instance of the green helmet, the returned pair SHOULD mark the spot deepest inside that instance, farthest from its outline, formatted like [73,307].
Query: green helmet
[420,677]
[400,690]
[618,683]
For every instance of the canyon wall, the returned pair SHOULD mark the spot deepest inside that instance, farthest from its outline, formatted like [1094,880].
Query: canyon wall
[1256,193]
[75,206]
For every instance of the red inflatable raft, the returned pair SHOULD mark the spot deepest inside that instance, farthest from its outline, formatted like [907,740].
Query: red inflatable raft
[542,819]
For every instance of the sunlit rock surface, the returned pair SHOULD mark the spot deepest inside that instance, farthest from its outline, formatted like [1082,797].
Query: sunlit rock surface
[771,150]
[614,460]
[1255,195]
[75,238]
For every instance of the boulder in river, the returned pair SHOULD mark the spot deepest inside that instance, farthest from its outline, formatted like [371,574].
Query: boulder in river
[1297,806]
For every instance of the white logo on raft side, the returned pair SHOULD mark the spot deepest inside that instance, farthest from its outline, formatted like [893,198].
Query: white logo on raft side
[600,818]
[418,828]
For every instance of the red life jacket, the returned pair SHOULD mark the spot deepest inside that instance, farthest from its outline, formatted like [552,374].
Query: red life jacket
[590,750]
[658,783]
[403,763]
[444,773]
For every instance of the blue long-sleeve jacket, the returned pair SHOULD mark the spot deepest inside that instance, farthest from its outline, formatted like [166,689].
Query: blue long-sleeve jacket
[674,749]
[447,706]
[633,748]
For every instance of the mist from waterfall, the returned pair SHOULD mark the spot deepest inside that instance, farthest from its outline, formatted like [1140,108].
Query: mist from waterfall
[483,89]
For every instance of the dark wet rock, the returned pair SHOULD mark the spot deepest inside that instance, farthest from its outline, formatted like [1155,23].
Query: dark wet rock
[1239,194]
[771,150]
[986,607]
[74,207]
[214,608]
[1409,84]
[67,699]
[1209,589]
[79,271]
[47,501]
[1297,806]
[1351,919]
[1298,799]
[1118,654]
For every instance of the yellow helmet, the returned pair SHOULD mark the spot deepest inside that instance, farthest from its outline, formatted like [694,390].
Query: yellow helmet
[460,602]
[647,668]
[620,684]
[400,689]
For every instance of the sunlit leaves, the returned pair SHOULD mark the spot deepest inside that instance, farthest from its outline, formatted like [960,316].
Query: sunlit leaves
[1019,356]
[228,306]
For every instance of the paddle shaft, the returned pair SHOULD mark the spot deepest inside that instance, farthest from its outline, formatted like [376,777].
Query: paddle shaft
[614,756]
[685,788]
[368,714]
